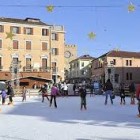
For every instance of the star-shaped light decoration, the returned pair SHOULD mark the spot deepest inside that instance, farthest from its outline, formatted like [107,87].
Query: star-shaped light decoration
[91,35]
[50,8]
[131,7]
[9,35]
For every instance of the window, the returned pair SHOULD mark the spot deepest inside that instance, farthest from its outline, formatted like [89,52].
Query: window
[15,60]
[28,45]
[114,61]
[0,43]
[130,62]
[77,64]
[1,28]
[126,62]
[15,30]
[54,36]
[45,32]
[15,44]
[28,63]
[44,45]
[44,63]
[116,78]
[28,31]
[82,72]
[129,76]
[82,64]
[54,68]
[54,51]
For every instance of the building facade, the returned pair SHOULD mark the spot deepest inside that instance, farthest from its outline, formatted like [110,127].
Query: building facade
[70,54]
[31,51]
[80,69]
[119,66]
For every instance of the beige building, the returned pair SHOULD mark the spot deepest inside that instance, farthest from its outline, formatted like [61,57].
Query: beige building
[80,69]
[35,54]
[70,54]
[119,66]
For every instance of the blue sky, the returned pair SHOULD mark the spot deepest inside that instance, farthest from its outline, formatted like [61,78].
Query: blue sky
[114,26]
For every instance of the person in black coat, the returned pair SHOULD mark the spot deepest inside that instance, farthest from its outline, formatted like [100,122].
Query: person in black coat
[82,92]
[108,88]
[122,94]
[10,92]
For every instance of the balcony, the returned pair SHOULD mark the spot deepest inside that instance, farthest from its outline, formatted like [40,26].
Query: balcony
[54,70]
[44,69]
[27,68]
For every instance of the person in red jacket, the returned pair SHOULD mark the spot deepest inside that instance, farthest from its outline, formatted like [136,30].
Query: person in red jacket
[138,98]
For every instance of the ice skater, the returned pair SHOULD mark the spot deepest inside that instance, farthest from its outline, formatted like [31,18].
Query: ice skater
[54,93]
[4,96]
[108,88]
[138,98]
[82,93]
[24,93]
[122,94]
[44,93]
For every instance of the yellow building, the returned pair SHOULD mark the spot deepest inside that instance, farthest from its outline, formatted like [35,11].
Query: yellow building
[31,51]
[118,66]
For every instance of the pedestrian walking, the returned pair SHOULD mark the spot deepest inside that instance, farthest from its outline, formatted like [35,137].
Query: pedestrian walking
[82,93]
[138,98]
[54,93]
[108,88]
[4,96]
[122,94]
[132,91]
[24,93]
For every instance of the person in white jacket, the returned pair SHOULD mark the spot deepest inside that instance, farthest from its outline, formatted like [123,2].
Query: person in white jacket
[65,88]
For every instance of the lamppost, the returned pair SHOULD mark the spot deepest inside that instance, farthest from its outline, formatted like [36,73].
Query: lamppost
[15,66]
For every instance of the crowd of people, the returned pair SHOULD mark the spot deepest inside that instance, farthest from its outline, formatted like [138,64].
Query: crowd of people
[51,91]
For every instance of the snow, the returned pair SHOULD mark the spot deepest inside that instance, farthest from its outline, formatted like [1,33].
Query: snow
[34,120]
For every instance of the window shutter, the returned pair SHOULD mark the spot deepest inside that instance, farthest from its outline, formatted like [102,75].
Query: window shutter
[47,32]
[24,30]
[31,31]
[56,37]
[15,44]
[44,46]
[28,45]
[57,52]
[19,30]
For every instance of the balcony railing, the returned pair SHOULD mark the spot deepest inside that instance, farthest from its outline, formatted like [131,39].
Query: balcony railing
[45,69]
[54,70]
[27,68]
